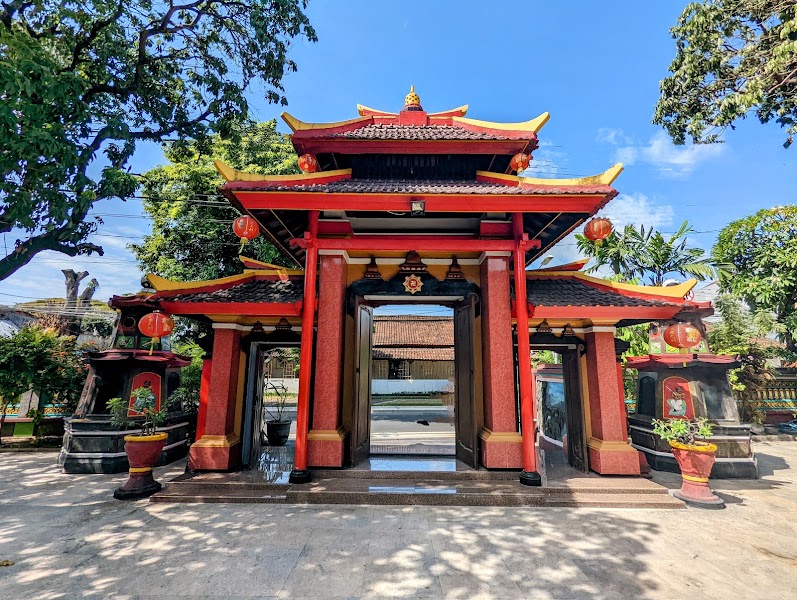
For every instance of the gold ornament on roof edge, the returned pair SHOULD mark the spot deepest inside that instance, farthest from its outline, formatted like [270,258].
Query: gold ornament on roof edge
[412,99]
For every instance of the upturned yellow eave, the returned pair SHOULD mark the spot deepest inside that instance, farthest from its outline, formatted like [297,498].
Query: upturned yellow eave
[161,284]
[231,174]
[264,268]
[670,291]
[362,109]
[297,125]
[605,178]
[532,126]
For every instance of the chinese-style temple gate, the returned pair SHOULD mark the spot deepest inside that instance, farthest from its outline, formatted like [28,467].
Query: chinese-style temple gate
[418,207]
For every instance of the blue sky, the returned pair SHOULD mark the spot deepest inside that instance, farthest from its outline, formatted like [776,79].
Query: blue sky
[594,66]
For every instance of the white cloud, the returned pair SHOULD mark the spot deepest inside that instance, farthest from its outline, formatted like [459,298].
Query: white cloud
[609,135]
[548,161]
[661,153]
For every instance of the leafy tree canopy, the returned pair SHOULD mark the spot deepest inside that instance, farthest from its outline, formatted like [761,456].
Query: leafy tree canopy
[644,253]
[733,57]
[82,81]
[192,236]
[763,251]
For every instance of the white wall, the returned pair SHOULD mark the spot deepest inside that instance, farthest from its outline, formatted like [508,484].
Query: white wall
[411,386]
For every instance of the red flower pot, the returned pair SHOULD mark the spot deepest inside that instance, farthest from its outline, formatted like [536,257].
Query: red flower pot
[695,463]
[143,452]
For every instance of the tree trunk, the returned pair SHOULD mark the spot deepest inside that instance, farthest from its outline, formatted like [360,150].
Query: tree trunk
[3,421]
[72,281]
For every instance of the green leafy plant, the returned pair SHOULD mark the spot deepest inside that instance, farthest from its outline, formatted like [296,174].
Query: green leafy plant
[683,430]
[143,403]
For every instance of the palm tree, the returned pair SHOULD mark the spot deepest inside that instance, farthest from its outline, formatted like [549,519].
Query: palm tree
[636,254]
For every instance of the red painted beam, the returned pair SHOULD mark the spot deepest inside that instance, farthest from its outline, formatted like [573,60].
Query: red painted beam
[604,312]
[342,145]
[457,203]
[249,309]
[417,243]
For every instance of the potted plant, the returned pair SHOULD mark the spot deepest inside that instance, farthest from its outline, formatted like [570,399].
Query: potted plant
[695,458]
[143,449]
[278,427]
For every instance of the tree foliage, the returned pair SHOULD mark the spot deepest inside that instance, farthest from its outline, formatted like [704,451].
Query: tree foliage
[763,251]
[41,360]
[192,236]
[644,253]
[733,57]
[83,81]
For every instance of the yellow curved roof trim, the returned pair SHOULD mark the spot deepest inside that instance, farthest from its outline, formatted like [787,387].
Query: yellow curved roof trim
[231,174]
[297,125]
[162,284]
[670,291]
[460,109]
[264,268]
[605,178]
[532,126]
[361,109]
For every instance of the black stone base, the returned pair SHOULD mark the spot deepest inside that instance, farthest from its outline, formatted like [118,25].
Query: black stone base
[530,478]
[136,494]
[297,476]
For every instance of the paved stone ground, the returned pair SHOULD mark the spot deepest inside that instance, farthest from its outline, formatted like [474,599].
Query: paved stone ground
[70,539]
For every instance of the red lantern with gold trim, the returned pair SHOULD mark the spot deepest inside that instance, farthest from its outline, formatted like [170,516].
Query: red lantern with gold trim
[598,229]
[308,163]
[156,325]
[246,228]
[682,335]
[520,162]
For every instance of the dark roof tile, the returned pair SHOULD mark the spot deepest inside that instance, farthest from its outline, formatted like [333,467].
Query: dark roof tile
[414,331]
[561,292]
[264,290]
[425,132]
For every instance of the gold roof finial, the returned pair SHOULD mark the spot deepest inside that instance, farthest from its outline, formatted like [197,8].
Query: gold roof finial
[412,99]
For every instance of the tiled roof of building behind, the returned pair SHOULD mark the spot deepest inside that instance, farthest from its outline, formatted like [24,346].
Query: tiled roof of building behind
[413,331]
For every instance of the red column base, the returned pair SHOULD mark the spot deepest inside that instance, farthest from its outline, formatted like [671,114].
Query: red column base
[614,458]
[501,450]
[215,453]
[325,448]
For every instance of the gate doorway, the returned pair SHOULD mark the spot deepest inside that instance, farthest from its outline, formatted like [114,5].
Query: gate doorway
[397,409]
[559,406]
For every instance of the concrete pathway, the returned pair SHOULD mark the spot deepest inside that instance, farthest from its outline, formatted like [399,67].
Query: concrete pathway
[69,539]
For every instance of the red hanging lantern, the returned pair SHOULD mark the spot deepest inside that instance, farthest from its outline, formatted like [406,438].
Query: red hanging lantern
[520,162]
[682,335]
[308,163]
[156,325]
[598,229]
[246,228]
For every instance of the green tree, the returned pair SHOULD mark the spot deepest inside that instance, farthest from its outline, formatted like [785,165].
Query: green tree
[763,251]
[645,253]
[83,81]
[192,236]
[39,359]
[733,57]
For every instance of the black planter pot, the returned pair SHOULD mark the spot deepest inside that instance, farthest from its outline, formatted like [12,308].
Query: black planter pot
[278,432]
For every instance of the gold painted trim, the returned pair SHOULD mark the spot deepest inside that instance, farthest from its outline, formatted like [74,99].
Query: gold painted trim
[532,126]
[231,174]
[217,441]
[670,291]
[605,178]
[157,437]
[705,447]
[327,435]
[167,285]
[489,435]
[610,446]
[695,479]
[297,125]
[139,469]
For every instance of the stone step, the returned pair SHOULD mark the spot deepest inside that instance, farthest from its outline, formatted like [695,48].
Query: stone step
[233,495]
[587,500]
[469,475]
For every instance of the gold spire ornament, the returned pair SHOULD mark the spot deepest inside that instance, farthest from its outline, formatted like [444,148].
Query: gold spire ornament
[412,99]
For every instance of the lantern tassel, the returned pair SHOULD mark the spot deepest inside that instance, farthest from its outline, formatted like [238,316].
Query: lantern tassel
[152,343]
[243,243]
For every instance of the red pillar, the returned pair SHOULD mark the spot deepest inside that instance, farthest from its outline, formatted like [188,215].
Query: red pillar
[204,390]
[529,475]
[325,440]
[219,447]
[300,473]
[609,450]
[501,444]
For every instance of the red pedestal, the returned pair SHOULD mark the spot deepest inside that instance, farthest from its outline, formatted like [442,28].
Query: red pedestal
[219,447]
[500,440]
[609,450]
[324,441]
